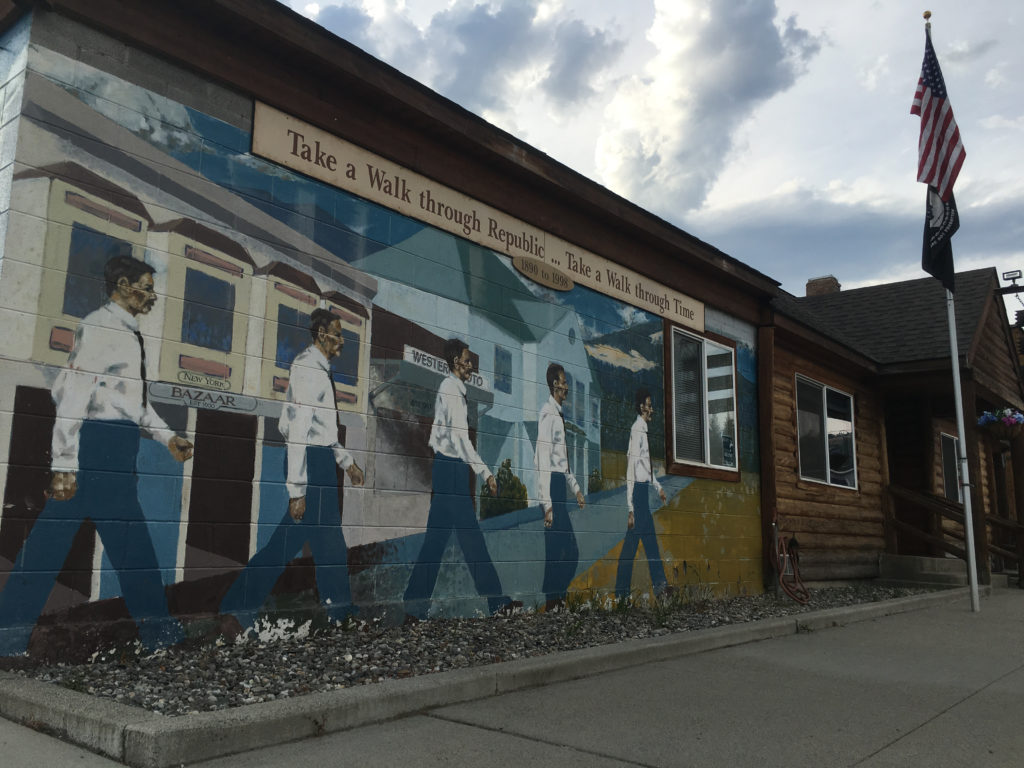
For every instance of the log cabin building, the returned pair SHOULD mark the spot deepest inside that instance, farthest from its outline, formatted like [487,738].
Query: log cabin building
[862,457]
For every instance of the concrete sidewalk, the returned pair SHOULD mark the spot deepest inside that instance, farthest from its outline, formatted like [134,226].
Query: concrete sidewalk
[920,680]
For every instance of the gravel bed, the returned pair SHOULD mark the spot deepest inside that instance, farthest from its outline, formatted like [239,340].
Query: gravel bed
[246,671]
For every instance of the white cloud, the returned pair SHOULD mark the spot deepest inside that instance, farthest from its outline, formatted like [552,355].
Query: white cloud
[632,360]
[669,128]
[877,72]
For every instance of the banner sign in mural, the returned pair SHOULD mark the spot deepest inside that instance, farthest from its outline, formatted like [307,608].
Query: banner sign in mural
[436,364]
[295,144]
[202,398]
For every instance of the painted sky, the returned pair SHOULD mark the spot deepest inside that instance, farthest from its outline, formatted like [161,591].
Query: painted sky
[779,132]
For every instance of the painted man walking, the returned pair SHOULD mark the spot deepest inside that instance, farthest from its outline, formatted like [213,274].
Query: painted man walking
[451,506]
[309,424]
[555,481]
[102,407]
[639,523]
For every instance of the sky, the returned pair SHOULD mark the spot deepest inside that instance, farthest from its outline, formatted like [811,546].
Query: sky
[778,131]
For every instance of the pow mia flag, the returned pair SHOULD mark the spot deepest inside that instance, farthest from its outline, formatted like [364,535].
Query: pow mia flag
[940,222]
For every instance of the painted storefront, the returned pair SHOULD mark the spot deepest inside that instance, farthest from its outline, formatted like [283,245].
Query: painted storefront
[149,479]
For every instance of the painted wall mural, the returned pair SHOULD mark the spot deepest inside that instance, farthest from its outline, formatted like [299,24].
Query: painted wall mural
[238,396]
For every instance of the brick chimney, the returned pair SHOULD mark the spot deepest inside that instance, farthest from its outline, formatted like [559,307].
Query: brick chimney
[819,286]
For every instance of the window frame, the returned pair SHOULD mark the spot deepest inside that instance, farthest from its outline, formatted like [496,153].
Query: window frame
[825,389]
[956,466]
[689,467]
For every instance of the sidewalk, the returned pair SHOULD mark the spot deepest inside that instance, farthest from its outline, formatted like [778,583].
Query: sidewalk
[931,685]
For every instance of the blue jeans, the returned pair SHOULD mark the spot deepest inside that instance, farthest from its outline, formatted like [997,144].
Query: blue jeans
[107,494]
[642,531]
[321,528]
[451,510]
[561,553]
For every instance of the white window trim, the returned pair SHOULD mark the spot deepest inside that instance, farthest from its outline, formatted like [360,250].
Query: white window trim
[853,433]
[706,415]
[956,463]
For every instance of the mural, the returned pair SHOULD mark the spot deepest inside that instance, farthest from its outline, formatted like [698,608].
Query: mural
[307,406]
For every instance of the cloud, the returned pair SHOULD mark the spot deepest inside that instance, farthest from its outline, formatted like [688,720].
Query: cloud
[480,54]
[632,359]
[877,72]
[672,128]
[349,23]
[790,238]
[996,122]
[632,315]
[580,51]
[964,53]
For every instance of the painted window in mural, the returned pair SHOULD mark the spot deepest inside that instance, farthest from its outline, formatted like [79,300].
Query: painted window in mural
[293,337]
[208,315]
[825,429]
[502,370]
[703,401]
[345,367]
[568,412]
[89,252]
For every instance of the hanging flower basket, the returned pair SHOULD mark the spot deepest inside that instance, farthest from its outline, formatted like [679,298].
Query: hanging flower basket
[1003,424]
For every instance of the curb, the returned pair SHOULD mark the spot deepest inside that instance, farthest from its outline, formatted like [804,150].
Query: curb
[143,739]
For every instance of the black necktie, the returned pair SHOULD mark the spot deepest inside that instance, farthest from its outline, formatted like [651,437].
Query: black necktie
[333,395]
[142,367]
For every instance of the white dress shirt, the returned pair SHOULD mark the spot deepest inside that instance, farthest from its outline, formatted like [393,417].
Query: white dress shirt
[551,455]
[309,417]
[638,460]
[450,432]
[103,382]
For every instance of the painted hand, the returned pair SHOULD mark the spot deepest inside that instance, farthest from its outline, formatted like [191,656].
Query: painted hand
[661,493]
[297,508]
[180,448]
[579,499]
[549,517]
[355,474]
[630,522]
[63,486]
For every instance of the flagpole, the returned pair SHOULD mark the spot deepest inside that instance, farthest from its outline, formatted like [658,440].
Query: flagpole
[940,155]
[965,484]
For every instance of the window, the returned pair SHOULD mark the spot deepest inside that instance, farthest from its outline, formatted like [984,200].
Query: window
[581,403]
[209,311]
[825,434]
[502,370]
[703,401]
[951,468]
[84,286]
[293,336]
[345,367]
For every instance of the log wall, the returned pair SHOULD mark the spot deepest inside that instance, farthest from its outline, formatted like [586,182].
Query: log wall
[840,530]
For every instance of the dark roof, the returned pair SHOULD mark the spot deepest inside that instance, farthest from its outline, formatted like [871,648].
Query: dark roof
[200,233]
[82,177]
[897,322]
[290,274]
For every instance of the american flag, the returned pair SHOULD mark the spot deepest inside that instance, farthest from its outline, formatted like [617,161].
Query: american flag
[939,149]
